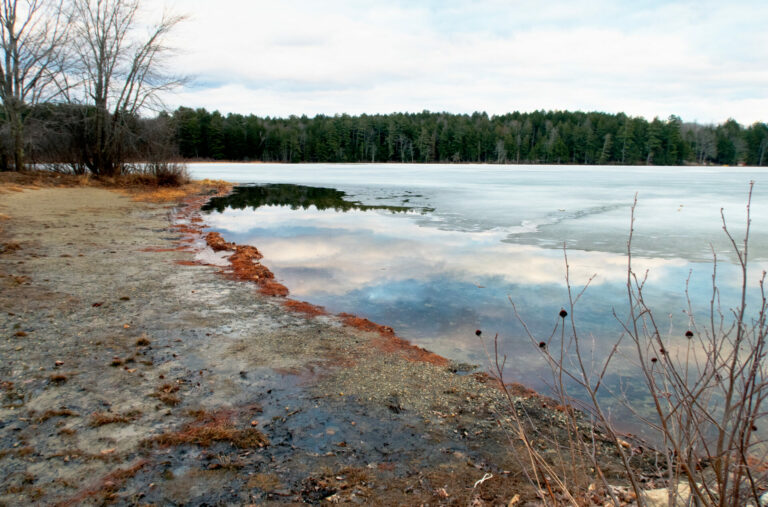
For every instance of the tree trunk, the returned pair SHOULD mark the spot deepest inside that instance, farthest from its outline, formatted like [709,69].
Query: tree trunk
[18,146]
[17,134]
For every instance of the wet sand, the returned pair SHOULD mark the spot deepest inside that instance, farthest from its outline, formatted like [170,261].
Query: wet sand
[133,374]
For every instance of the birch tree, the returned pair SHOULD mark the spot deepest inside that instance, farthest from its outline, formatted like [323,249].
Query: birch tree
[123,72]
[32,40]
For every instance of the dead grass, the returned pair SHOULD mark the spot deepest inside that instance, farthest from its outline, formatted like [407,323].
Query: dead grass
[105,488]
[25,180]
[166,394]
[33,493]
[20,280]
[106,456]
[49,414]
[104,418]
[264,482]
[209,428]
[9,247]
[58,378]
[148,193]
[140,187]
[18,451]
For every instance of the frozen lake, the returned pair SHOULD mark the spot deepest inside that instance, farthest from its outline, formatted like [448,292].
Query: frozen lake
[437,251]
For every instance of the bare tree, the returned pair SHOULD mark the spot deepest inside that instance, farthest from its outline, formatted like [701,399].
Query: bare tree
[703,141]
[32,37]
[122,73]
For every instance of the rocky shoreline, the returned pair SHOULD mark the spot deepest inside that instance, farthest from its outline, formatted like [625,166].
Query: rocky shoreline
[134,373]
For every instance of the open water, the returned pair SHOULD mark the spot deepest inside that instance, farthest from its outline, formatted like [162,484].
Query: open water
[440,251]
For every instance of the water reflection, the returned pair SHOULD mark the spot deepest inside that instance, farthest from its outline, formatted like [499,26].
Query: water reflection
[294,196]
[436,287]
[494,235]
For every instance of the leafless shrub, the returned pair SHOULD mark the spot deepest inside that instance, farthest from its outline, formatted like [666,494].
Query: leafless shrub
[707,399]
[168,174]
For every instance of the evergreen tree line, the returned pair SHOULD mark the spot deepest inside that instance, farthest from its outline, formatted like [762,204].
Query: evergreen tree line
[546,137]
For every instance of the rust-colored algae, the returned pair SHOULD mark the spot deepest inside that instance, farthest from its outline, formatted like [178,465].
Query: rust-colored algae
[217,243]
[410,351]
[304,307]
[245,254]
[272,288]
[517,389]
[245,267]
[185,229]
[365,324]
[388,341]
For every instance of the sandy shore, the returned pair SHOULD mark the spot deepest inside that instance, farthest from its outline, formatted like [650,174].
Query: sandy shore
[133,375]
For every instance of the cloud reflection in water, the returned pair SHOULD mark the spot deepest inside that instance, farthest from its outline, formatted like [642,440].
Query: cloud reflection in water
[436,287]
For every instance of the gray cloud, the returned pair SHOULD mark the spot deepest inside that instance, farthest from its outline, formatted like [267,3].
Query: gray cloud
[701,60]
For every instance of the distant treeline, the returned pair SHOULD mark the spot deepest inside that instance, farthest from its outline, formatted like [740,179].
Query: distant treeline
[67,133]
[547,137]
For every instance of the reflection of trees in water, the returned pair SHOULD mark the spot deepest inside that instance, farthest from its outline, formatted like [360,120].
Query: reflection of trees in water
[295,196]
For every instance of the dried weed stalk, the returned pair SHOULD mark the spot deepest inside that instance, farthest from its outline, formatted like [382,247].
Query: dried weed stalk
[707,400]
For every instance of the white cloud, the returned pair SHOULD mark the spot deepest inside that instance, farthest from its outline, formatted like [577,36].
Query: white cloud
[703,61]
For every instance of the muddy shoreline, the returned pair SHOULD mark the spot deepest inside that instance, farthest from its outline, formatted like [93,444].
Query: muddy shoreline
[135,374]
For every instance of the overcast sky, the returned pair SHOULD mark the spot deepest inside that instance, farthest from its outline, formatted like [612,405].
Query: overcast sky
[703,60]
